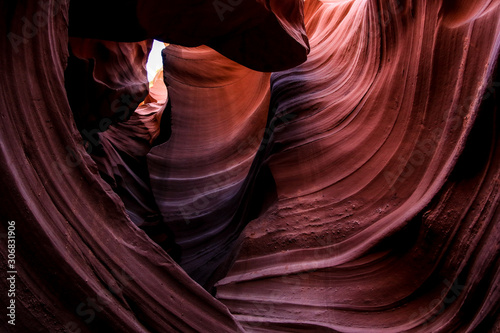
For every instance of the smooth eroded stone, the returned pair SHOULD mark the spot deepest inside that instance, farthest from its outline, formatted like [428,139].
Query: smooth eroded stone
[262,35]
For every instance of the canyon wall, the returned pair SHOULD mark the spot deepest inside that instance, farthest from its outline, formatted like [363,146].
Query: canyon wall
[387,177]
[355,191]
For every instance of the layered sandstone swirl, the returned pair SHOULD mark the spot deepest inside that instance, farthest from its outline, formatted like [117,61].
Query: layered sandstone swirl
[297,166]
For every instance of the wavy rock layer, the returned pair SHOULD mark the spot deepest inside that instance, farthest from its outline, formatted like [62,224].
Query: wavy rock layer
[219,109]
[387,177]
[373,185]
[81,263]
[105,82]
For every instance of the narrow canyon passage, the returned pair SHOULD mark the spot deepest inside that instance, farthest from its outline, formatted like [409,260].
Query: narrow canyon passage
[297,166]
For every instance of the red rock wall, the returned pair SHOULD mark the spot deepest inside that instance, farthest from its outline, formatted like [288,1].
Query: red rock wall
[355,192]
[81,263]
[387,177]
[219,109]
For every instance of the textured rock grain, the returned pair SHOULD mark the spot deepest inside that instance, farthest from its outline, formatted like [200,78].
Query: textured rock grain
[357,191]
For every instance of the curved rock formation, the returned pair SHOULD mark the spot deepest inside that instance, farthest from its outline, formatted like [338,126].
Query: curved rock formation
[219,109]
[81,264]
[387,179]
[357,191]
[105,82]
[232,27]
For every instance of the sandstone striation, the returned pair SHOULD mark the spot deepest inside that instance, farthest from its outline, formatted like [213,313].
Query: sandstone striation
[355,191]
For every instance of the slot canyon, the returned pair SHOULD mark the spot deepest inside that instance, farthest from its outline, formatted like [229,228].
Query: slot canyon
[295,166]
